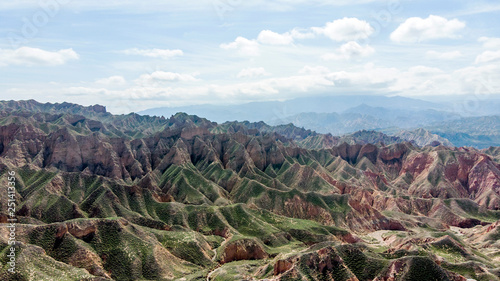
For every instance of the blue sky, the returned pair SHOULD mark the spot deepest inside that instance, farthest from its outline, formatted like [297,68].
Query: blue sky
[134,55]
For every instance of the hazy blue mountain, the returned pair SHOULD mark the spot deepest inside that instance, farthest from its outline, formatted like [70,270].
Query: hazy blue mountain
[365,117]
[334,123]
[404,117]
[276,110]
[422,137]
[480,132]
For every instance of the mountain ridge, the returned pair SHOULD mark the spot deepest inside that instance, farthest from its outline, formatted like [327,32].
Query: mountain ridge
[340,115]
[194,199]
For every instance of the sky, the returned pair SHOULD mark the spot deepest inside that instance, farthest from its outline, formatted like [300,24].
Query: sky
[134,55]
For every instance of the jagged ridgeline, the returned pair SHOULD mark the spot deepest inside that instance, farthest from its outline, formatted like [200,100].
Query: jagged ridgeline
[131,197]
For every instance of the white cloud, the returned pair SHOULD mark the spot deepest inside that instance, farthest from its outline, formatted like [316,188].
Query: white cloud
[159,77]
[154,53]
[84,91]
[483,79]
[422,80]
[112,81]
[272,88]
[444,55]
[418,81]
[346,29]
[33,56]
[310,81]
[434,27]
[272,38]
[314,70]
[422,70]
[368,76]
[176,94]
[252,72]
[244,46]
[297,33]
[490,42]
[349,50]
[488,56]
[298,83]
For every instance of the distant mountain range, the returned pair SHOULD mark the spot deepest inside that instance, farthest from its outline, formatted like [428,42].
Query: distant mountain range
[277,110]
[423,137]
[342,115]
[481,132]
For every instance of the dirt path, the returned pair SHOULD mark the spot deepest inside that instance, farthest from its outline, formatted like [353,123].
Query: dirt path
[377,235]
[215,256]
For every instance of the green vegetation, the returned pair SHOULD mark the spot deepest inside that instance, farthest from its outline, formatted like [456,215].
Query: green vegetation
[365,264]
[146,198]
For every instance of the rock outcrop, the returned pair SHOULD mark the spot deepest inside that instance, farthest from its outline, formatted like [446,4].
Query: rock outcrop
[245,249]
